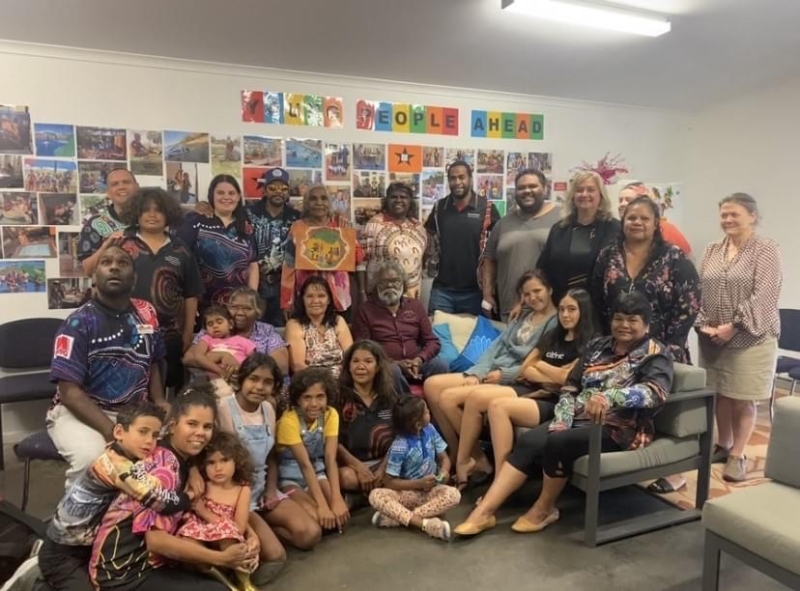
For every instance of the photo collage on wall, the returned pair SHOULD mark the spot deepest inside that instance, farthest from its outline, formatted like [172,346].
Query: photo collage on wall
[53,177]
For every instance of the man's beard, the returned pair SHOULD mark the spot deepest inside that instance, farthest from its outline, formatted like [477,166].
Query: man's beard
[389,296]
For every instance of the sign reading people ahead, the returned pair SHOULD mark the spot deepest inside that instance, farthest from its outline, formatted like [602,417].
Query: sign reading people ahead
[521,126]
[406,118]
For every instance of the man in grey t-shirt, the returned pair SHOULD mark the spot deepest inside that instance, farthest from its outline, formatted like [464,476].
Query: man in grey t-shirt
[516,241]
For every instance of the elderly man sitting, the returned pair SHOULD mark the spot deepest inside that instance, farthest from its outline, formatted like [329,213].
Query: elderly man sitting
[401,326]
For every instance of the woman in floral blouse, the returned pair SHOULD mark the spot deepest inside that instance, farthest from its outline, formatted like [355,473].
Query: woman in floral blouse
[642,261]
[621,382]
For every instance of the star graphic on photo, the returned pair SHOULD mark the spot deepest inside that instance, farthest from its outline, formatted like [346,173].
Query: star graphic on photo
[404,157]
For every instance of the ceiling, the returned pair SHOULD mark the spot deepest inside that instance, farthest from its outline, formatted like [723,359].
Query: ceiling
[717,48]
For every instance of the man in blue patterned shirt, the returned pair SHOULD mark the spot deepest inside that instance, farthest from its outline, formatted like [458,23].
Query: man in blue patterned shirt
[105,355]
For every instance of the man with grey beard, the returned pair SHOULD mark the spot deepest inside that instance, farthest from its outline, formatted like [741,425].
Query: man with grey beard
[516,242]
[401,326]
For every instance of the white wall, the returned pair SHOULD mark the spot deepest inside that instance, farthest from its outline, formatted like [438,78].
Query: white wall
[92,88]
[749,144]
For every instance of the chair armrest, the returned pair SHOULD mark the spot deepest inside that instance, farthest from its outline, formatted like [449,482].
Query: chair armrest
[689,395]
[783,462]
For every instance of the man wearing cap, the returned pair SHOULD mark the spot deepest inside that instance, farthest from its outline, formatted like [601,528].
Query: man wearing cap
[271,218]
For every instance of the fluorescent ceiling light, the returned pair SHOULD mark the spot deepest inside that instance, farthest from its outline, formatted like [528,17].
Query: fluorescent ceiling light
[600,15]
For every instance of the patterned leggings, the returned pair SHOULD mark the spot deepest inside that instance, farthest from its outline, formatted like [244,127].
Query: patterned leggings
[403,505]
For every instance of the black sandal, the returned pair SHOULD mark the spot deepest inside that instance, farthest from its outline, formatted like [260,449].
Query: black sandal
[662,486]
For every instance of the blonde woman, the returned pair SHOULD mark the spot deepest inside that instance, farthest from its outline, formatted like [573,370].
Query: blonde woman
[586,226]
[739,325]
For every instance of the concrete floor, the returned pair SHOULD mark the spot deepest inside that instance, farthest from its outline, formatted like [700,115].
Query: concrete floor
[365,558]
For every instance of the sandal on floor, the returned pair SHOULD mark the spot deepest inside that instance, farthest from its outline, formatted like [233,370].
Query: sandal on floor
[663,486]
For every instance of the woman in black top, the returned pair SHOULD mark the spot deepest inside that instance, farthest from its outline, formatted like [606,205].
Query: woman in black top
[543,373]
[573,243]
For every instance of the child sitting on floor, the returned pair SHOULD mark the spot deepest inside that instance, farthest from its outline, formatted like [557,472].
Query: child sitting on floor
[68,545]
[413,492]
[221,514]
[220,348]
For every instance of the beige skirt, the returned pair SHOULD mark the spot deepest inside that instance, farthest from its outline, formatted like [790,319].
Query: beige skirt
[741,374]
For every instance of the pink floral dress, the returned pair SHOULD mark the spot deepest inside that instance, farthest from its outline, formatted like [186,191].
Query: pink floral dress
[196,529]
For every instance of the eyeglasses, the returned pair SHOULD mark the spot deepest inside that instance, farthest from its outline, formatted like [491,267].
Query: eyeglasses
[241,308]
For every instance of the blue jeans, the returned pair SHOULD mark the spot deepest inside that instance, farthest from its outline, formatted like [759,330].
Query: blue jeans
[272,298]
[430,368]
[455,301]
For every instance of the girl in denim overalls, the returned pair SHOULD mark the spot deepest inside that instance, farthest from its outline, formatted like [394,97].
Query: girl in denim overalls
[308,441]
[250,415]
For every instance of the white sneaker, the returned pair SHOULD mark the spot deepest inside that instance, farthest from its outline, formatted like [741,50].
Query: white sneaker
[437,528]
[24,578]
[381,520]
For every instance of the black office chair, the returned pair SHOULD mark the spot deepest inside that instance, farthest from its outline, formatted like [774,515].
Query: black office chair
[789,341]
[38,446]
[26,350]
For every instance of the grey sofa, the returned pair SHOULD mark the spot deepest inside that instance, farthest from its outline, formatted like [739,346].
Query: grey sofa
[683,442]
[761,525]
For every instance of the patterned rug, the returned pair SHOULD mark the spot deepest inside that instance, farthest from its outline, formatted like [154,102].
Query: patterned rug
[756,452]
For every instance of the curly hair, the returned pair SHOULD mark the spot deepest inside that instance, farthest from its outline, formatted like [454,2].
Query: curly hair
[383,383]
[311,376]
[147,196]
[229,446]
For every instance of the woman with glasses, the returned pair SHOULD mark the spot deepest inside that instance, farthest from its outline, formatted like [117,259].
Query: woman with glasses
[396,234]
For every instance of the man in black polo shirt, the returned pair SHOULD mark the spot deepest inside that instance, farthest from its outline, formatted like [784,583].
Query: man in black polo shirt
[167,275]
[463,221]
[100,230]
[271,218]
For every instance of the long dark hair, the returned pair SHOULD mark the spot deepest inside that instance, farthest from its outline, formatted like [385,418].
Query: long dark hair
[659,245]
[299,313]
[583,332]
[383,384]
[240,221]
[253,362]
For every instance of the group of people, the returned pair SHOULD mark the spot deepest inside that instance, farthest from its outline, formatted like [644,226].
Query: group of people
[277,437]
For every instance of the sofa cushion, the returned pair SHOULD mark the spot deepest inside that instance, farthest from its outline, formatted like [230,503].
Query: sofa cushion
[664,450]
[688,378]
[461,327]
[479,341]
[764,519]
[682,419]
[783,461]
[448,351]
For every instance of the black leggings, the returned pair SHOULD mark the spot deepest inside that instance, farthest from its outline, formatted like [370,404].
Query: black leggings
[555,452]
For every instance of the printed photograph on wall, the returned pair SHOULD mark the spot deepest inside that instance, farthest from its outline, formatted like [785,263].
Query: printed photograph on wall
[501,206]
[251,185]
[364,210]
[273,107]
[91,205]
[464,154]
[337,162]
[252,106]
[18,209]
[542,161]
[226,155]
[68,263]
[65,293]
[340,203]
[29,242]
[515,162]
[186,146]
[303,153]
[146,149]
[432,157]
[369,184]
[11,171]
[334,112]
[58,209]
[188,180]
[22,277]
[93,176]
[412,180]
[260,150]
[101,143]
[15,130]
[490,186]
[369,156]
[491,161]
[432,186]
[54,139]
[50,176]
[312,107]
